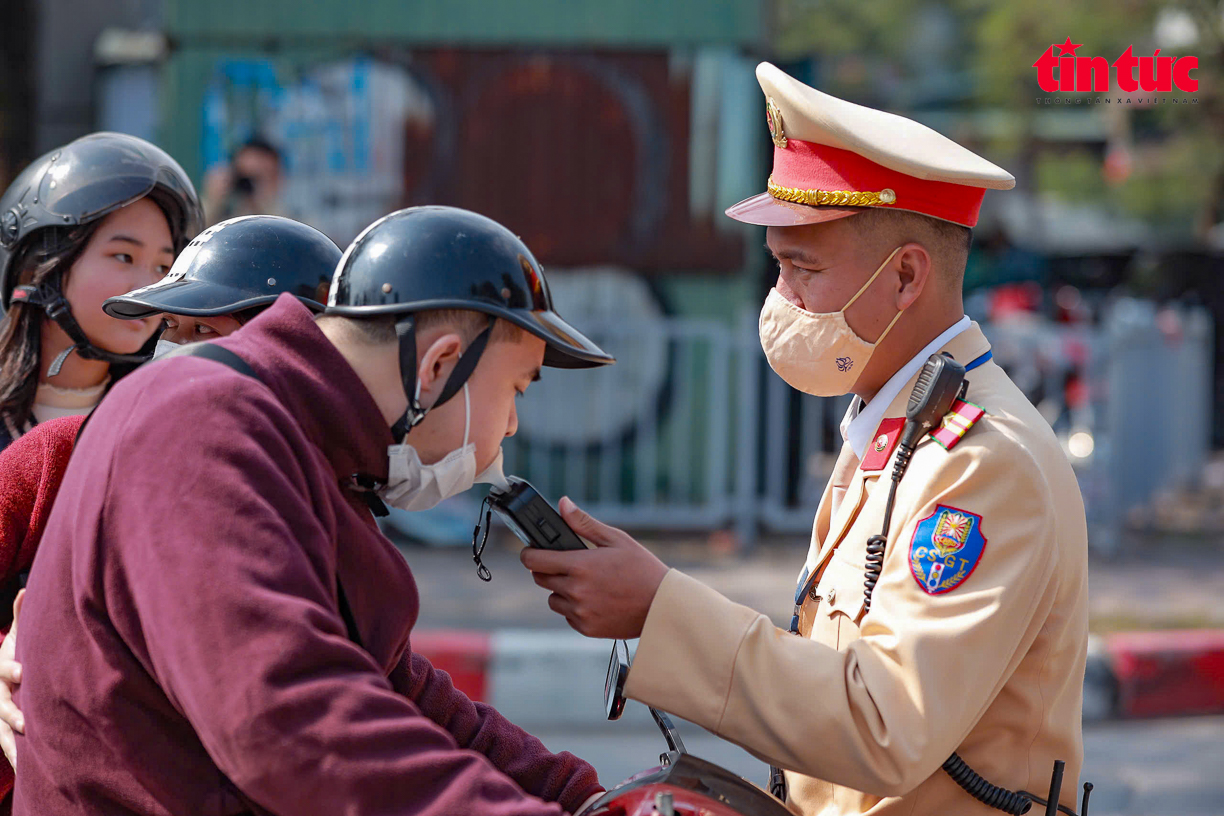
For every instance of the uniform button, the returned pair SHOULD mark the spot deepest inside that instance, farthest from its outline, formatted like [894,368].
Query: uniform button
[832,595]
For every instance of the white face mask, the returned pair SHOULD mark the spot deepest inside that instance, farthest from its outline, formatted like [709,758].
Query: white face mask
[163,347]
[817,353]
[412,485]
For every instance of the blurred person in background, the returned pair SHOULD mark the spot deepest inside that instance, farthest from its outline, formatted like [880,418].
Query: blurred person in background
[924,666]
[249,184]
[242,640]
[224,277]
[98,217]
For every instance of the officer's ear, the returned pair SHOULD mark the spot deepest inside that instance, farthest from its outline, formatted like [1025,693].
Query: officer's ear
[438,359]
[914,266]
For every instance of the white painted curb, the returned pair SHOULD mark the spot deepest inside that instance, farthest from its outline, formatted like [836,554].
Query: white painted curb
[541,678]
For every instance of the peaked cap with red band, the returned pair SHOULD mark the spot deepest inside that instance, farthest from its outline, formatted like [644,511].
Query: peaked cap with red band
[833,158]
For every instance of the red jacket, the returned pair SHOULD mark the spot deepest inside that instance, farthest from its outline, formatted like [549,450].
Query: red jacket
[182,642]
[31,470]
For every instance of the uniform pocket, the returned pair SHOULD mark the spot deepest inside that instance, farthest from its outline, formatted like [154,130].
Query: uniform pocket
[841,588]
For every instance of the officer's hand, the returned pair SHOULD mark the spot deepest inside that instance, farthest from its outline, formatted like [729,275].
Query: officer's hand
[605,592]
[10,676]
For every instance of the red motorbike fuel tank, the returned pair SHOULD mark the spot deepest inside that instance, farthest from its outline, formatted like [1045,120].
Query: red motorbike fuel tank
[697,787]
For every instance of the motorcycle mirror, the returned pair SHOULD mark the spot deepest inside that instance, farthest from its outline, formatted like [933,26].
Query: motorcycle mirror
[614,684]
[670,734]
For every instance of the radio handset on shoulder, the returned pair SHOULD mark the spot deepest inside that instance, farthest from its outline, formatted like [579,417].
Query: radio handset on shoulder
[940,383]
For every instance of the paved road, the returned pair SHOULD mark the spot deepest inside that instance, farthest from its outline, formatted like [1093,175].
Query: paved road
[1151,768]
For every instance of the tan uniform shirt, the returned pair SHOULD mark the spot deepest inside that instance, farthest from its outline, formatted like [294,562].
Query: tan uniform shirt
[863,709]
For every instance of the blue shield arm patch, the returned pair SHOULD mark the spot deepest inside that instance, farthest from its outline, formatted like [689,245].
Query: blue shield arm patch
[947,546]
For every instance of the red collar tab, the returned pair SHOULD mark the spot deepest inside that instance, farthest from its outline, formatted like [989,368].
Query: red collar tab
[880,448]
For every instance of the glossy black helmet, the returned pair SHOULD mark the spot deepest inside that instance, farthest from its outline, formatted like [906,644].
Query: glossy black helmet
[447,258]
[85,180]
[235,265]
[426,258]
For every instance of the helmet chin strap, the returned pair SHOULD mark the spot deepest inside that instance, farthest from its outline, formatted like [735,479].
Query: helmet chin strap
[405,330]
[57,308]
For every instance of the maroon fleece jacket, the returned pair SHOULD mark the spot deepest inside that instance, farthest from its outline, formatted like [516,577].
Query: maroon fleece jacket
[184,651]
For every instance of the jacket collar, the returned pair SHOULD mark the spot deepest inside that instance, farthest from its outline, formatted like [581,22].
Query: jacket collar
[858,427]
[314,382]
[964,348]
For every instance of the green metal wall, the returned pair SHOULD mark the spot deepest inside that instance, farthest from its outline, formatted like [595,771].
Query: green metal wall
[302,32]
[621,23]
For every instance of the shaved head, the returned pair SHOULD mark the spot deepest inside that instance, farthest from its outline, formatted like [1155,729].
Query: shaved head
[947,243]
[380,329]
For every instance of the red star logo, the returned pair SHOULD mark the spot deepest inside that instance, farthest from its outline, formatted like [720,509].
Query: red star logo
[1068,48]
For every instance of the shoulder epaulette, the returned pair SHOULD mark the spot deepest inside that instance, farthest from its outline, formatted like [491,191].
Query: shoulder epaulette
[957,422]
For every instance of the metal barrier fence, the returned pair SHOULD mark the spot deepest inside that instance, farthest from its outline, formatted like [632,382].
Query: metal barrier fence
[692,430]
[1156,411]
[644,450]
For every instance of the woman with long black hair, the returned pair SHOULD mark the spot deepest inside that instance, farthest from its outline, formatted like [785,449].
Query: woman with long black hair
[96,218]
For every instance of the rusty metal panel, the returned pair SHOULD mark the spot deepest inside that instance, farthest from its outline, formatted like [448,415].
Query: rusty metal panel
[585,155]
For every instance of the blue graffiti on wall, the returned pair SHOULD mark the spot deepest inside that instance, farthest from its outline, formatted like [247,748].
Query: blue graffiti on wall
[339,126]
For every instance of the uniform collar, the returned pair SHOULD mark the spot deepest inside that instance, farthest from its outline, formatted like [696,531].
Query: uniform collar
[859,425]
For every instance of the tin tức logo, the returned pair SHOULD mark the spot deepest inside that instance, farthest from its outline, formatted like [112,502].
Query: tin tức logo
[1068,72]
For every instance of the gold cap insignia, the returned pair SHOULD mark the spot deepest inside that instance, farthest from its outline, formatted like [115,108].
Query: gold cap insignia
[773,115]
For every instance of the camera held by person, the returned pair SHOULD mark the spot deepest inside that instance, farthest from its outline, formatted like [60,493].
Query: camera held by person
[249,184]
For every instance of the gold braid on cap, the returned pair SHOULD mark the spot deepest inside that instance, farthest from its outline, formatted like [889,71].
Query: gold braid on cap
[831,198]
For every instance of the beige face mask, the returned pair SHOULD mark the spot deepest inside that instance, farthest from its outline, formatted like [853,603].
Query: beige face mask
[818,354]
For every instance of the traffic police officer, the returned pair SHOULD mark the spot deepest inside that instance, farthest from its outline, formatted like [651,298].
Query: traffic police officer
[970,653]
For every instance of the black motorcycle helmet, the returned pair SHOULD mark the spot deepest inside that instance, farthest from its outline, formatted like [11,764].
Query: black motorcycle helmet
[425,258]
[80,183]
[239,264]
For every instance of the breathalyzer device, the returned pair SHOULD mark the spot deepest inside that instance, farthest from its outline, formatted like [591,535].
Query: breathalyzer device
[532,518]
[529,515]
